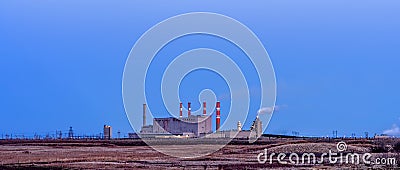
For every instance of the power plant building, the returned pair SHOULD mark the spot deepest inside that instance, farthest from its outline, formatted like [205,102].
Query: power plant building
[195,126]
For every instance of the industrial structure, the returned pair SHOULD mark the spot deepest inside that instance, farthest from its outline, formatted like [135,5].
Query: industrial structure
[192,125]
[107,132]
[195,126]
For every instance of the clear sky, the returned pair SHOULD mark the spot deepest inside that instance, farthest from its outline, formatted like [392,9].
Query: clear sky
[336,62]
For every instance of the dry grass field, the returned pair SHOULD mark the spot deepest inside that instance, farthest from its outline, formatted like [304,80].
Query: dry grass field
[133,154]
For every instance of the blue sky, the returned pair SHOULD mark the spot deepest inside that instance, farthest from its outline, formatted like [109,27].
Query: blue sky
[336,62]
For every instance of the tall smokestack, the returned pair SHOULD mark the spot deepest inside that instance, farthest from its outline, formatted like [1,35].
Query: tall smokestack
[204,109]
[144,114]
[180,110]
[189,109]
[218,117]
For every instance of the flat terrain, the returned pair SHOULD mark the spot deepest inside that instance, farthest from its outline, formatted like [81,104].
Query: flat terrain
[134,154]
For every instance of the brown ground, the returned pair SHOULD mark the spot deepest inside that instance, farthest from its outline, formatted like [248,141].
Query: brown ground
[128,154]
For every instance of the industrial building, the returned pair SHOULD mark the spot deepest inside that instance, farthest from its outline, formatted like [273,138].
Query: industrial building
[195,126]
[254,132]
[192,125]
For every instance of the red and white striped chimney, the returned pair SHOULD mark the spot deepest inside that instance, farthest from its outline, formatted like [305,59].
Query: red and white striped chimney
[189,109]
[218,121]
[180,110]
[204,109]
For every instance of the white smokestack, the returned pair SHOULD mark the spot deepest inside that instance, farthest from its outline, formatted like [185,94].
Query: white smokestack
[144,114]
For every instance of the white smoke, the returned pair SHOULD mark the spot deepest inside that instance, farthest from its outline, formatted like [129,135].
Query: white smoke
[394,131]
[269,110]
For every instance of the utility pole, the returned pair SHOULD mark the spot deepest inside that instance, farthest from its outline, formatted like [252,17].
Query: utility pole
[119,133]
[366,135]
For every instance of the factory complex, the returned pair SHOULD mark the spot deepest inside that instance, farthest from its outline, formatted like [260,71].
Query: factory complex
[195,126]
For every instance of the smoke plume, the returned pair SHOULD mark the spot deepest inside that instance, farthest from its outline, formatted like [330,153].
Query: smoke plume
[269,110]
[394,131]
